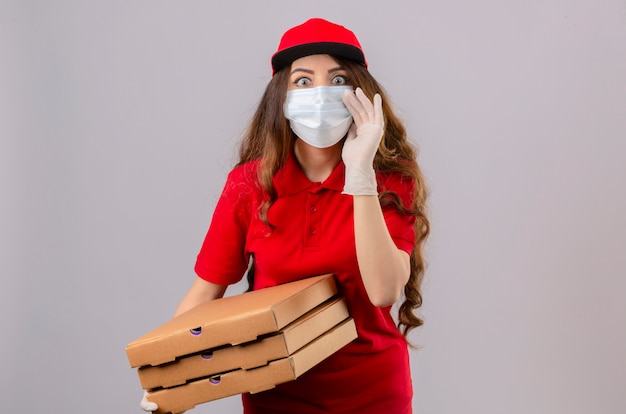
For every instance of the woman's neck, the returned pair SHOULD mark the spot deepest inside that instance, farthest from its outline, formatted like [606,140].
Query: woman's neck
[317,163]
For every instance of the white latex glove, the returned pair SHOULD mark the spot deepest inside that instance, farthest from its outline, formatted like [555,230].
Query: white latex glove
[147,405]
[362,142]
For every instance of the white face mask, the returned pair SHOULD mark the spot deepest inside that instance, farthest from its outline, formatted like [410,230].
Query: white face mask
[318,115]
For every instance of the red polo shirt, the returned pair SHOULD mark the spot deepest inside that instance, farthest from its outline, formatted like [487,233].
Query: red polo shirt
[314,234]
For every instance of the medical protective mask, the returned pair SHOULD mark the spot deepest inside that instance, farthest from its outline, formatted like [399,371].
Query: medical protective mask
[317,115]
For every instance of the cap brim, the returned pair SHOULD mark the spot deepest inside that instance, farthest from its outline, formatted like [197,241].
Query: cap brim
[287,56]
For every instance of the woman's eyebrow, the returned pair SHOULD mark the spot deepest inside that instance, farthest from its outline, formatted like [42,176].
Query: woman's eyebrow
[309,71]
[312,72]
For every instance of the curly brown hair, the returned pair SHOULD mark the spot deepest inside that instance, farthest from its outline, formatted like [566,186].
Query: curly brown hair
[270,139]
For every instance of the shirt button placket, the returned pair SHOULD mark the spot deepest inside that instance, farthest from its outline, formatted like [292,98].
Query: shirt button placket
[314,221]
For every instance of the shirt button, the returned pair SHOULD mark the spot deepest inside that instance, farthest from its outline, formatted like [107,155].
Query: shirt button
[313,209]
[312,231]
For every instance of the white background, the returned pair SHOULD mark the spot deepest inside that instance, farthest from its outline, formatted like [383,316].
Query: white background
[119,121]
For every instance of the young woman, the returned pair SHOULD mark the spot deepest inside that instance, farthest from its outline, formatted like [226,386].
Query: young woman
[327,182]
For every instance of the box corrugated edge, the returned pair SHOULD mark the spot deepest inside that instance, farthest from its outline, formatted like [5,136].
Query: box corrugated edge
[248,355]
[155,348]
[186,397]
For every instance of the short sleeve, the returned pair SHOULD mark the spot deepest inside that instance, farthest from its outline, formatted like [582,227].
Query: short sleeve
[401,226]
[222,258]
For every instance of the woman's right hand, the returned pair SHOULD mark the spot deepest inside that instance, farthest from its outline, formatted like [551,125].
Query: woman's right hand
[147,405]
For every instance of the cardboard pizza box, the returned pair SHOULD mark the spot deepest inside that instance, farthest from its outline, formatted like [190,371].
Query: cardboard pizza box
[186,397]
[232,320]
[250,354]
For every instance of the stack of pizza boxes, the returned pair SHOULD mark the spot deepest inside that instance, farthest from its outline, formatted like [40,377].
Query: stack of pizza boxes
[245,343]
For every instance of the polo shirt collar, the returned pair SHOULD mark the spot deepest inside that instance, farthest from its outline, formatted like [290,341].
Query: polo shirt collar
[290,179]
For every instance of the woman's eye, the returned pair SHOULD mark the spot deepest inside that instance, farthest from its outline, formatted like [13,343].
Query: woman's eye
[339,80]
[302,82]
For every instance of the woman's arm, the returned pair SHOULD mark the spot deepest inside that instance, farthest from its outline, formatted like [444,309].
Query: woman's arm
[201,291]
[385,269]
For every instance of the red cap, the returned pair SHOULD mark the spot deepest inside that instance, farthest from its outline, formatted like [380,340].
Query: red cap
[317,36]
